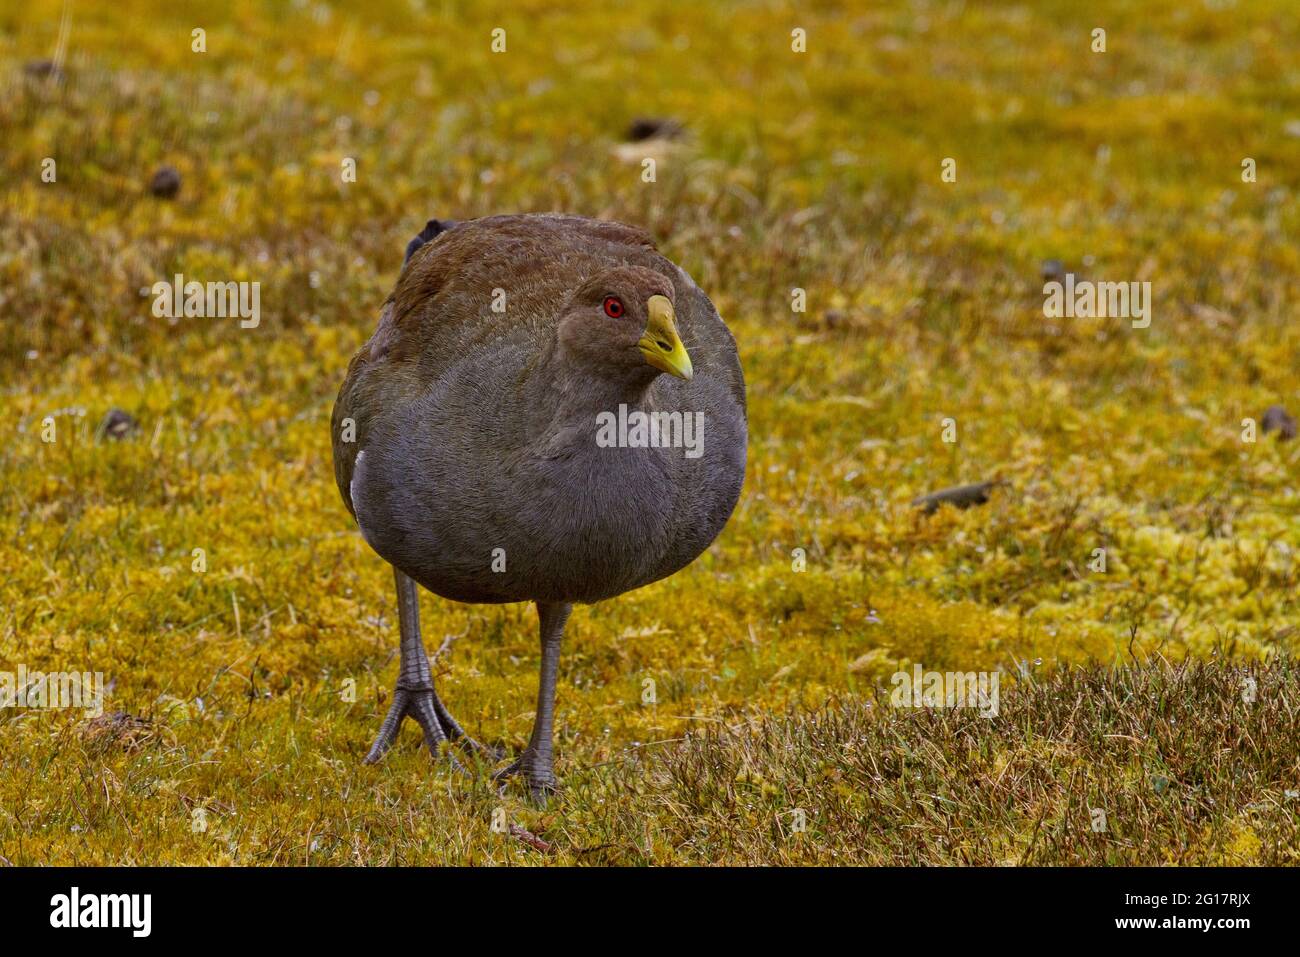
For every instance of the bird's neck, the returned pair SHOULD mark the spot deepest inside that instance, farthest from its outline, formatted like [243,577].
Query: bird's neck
[582,404]
[578,392]
[582,399]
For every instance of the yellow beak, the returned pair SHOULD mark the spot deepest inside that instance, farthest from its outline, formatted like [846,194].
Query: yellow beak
[661,345]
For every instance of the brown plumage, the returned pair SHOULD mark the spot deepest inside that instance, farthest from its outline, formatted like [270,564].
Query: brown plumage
[476,409]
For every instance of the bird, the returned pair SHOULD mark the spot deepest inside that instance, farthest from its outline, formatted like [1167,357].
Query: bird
[475,444]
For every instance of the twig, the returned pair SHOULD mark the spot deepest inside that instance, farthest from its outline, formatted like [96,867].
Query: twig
[531,839]
[447,641]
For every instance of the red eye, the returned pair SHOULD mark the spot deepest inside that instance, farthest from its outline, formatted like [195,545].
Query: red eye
[614,307]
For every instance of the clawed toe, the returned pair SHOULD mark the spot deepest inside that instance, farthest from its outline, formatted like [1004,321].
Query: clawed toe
[489,754]
[535,771]
[423,706]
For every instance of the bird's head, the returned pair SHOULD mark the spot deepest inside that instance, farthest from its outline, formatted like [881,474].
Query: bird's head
[621,324]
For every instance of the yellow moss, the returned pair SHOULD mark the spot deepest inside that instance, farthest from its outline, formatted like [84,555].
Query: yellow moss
[924,302]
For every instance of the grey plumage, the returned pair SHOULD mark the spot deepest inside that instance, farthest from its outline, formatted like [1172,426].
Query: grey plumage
[478,424]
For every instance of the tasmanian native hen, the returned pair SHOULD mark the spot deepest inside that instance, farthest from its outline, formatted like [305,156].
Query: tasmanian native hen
[473,440]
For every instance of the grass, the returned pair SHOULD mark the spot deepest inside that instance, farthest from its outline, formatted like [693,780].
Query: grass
[1181,769]
[818,171]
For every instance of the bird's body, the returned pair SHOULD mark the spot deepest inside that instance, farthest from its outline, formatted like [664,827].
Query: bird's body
[474,436]
[476,465]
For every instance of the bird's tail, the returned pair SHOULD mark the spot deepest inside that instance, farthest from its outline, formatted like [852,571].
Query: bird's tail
[431,229]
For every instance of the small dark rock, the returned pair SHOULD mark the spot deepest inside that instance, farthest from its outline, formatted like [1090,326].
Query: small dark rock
[1052,270]
[116,425]
[959,496]
[1278,418]
[43,70]
[653,127]
[165,182]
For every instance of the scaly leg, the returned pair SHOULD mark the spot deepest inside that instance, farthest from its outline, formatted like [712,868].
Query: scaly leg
[414,695]
[536,762]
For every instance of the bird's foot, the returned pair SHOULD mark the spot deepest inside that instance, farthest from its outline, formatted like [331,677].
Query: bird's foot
[439,727]
[536,770]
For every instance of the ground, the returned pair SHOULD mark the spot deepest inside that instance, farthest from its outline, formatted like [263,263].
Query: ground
[739,711]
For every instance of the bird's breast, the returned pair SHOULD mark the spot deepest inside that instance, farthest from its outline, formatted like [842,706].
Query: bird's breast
[482,495]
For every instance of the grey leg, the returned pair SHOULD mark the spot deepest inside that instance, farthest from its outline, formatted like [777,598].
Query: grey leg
[414,695]
[536,761]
